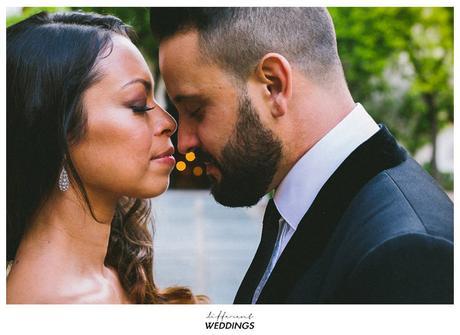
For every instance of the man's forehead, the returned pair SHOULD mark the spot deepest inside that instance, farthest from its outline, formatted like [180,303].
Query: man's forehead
[179,62]
[186,81]
[182,47]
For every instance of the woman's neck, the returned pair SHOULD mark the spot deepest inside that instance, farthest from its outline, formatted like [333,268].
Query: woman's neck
[66,225]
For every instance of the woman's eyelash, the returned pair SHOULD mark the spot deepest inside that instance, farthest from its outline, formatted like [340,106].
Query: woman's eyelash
[142,109]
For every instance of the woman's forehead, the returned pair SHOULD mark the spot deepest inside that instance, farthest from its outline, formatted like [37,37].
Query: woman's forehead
[123,63]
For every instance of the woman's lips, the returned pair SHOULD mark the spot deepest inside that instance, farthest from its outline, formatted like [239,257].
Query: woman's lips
[169,160]
[166,157]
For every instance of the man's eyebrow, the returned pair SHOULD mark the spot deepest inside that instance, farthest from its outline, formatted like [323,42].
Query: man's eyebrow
[147,84]
[180,98]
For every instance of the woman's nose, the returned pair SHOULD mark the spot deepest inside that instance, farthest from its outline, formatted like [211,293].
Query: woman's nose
[167,125]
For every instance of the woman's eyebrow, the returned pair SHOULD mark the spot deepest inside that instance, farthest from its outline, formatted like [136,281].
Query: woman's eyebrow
[147,84]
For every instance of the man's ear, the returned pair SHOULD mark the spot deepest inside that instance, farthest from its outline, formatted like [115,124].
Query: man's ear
[275,72]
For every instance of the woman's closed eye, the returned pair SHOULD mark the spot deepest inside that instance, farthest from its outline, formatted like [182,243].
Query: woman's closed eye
[141,109]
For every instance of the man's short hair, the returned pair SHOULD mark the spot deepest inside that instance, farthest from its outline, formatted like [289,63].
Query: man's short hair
[236,38]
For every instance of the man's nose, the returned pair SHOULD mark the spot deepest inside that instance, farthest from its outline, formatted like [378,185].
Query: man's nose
[187,138]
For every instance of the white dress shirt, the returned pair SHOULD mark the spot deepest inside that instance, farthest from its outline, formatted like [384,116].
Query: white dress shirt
[299,188]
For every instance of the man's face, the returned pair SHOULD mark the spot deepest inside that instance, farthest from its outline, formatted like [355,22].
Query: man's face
[218,121]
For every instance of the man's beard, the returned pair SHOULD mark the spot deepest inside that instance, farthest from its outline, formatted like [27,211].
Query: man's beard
[248,160]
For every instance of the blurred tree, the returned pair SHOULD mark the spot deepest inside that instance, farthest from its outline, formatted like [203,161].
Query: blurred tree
[399,63]
[29,11]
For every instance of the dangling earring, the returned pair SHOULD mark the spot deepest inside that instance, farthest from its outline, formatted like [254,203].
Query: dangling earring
[63,180]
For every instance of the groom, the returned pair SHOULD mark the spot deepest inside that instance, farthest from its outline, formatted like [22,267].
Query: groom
[262,98]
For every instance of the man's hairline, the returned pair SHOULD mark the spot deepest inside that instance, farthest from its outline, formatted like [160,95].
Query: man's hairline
[207,58]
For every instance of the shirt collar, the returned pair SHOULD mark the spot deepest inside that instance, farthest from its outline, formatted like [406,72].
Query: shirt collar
[299,188]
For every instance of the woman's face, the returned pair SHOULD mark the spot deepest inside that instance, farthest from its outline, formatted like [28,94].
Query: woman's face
[126,150]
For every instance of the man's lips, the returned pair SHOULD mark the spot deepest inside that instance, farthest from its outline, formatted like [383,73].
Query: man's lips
[211,168]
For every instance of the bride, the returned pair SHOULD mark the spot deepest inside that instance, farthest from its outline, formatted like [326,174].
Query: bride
[86,143]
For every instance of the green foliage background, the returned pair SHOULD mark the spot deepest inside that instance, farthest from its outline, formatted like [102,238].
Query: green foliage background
[398,63]
[413,44]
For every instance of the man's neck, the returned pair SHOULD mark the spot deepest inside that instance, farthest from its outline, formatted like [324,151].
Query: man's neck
[314,116]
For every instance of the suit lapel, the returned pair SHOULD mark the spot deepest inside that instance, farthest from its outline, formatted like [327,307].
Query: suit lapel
[262,256]
[380,152]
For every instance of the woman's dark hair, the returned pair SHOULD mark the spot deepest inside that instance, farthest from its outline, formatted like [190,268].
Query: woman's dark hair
[51,61]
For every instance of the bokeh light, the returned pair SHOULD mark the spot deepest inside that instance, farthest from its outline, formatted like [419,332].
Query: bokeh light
[197,171]
[190,156]
[181,166]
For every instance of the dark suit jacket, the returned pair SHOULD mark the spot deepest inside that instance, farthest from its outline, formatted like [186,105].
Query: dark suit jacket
[379,231]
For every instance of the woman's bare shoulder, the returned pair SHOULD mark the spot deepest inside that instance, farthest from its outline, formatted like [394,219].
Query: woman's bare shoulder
[31,284]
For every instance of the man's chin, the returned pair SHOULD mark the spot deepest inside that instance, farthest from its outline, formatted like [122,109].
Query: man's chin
[229,198]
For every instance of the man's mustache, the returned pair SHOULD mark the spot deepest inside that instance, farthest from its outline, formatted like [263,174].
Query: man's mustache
[206,157]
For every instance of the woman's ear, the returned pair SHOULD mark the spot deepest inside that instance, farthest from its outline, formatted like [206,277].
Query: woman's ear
[275,72]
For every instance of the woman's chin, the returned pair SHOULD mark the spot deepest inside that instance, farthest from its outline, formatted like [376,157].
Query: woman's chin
[155,191]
